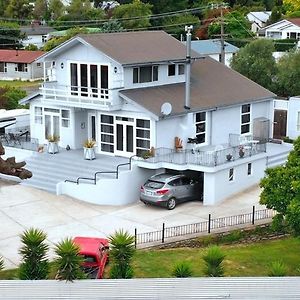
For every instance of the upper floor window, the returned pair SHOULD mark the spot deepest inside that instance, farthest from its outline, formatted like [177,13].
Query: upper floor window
[298,121]
[171,69]
[21,67]
[245,118]
[201,127]
[145,74]
[3,67]
[181,69]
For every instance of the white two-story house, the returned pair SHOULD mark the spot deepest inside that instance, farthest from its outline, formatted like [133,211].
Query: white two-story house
[127,91]
[283,29]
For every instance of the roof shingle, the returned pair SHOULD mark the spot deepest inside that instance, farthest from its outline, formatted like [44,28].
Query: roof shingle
[19,56]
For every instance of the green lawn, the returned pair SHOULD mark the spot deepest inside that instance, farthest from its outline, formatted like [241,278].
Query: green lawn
[241,260]
[19,83]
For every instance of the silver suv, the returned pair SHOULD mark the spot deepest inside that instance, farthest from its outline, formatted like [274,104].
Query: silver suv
[167,190]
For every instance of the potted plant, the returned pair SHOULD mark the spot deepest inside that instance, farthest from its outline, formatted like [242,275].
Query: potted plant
[89,149]
[229,157]
[53,144]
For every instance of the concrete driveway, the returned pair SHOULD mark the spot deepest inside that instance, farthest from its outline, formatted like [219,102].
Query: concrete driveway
[23,207]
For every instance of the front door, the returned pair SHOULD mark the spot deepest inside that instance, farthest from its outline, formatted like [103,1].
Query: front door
[279,129]
[51,124]
[124,137]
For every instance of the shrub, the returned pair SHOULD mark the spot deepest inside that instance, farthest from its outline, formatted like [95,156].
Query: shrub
[214,262]
[68,263]
[121,253]
[278,223]
[34,250]
[233,236]
[277,268]
[182,269]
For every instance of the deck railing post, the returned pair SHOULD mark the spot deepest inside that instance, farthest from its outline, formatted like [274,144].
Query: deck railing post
[209,221]
[253,214]
[163,233]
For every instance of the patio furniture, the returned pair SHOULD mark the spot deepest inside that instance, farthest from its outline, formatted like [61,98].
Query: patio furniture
[14,138]
[26,134]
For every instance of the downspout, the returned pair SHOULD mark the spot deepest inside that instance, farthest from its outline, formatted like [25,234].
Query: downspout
[187,101]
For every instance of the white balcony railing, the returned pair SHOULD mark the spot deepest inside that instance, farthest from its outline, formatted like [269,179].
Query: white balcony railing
[75,94]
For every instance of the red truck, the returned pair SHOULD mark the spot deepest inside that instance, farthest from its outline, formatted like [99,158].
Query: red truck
[95,254]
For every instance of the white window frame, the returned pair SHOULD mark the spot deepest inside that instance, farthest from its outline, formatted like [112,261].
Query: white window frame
[153,79]
[25,67]
[38,115]
[178,69]
[148,129]
[298,121]
[246,123]
[171,65]
[199,123]
[65,121]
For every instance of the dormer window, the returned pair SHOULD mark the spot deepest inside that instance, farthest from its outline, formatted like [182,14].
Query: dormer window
[145,74]
[171,70]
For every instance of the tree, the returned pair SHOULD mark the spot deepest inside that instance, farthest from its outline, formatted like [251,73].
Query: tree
[213,260]
[34,250]
[256,62]
[68,261]
[291,5]
[56,9]
[40,10]
[121,253]
[10,35]
[288,83]
[112,26]
[128,12]
[175,25]
[31,47]
[281,190]
[167,5]
[10,96]
[236,26]
[19,9]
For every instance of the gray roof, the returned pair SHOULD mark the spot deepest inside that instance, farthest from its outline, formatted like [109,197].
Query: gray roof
[235,288]
[212,85]
[207,47]
[138,47]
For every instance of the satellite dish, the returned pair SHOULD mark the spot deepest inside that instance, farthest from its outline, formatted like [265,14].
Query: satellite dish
[166,108]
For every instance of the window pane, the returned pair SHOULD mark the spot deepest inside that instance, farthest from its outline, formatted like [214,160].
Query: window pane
[145,74]
[200,138]
[83,75]
[65,123]
[107,138]
[230,175]
[143,143]
[2,67]
[249,171]
[245,108]
[107,119]
[94,77]
[107,148]
[65,114]
[143,133]
[200,117]
[107,128]
[245,128]
[246,118]
[135,75]
[171,70]
[155,73]
[104,77]
[143,123]
[200,127]
[181,68]
[38,120]
[38,110]
[74,79]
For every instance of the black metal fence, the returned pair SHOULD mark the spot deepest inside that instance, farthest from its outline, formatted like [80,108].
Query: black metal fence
[160,236]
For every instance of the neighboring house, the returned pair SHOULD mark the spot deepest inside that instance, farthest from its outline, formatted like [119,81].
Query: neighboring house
[35,34]
[284,29]
[212,48]
[258,19]
[13,119]
[20,65]
[127,91]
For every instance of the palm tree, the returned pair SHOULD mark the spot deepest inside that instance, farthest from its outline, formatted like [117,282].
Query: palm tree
[121,253]
[34,250]
[214,262]
[68,261]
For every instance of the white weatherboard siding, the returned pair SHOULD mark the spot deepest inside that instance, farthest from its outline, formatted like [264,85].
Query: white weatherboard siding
[121,191]
[217,186]
[293,118]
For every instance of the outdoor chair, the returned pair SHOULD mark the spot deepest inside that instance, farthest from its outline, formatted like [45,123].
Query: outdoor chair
[13,138]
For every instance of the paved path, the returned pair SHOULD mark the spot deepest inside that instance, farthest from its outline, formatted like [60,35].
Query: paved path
[23,207]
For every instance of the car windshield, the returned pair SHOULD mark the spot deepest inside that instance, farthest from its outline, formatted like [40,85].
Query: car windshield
[89,258]
[154,184]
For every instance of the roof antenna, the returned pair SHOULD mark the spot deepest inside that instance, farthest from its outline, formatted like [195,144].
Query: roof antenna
[188,30]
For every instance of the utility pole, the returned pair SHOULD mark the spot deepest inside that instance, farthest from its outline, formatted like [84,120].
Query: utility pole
[222,37]
[188,30]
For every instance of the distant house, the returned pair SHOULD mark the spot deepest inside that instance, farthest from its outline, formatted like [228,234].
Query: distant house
[35,34]
[20,64]
[258,19]
[212,48]
[284,29]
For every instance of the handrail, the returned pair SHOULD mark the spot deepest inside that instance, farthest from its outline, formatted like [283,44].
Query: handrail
[103,172]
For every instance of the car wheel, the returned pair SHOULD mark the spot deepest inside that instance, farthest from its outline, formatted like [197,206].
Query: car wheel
[171,204]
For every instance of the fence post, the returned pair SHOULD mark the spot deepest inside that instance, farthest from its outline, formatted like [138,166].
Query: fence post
[209,220]
[253,214]
[135,237]
[163,233]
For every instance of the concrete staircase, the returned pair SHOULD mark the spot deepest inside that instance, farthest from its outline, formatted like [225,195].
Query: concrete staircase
[49,169]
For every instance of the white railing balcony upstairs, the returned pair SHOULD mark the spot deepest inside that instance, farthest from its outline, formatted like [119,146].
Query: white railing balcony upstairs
[52,91]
